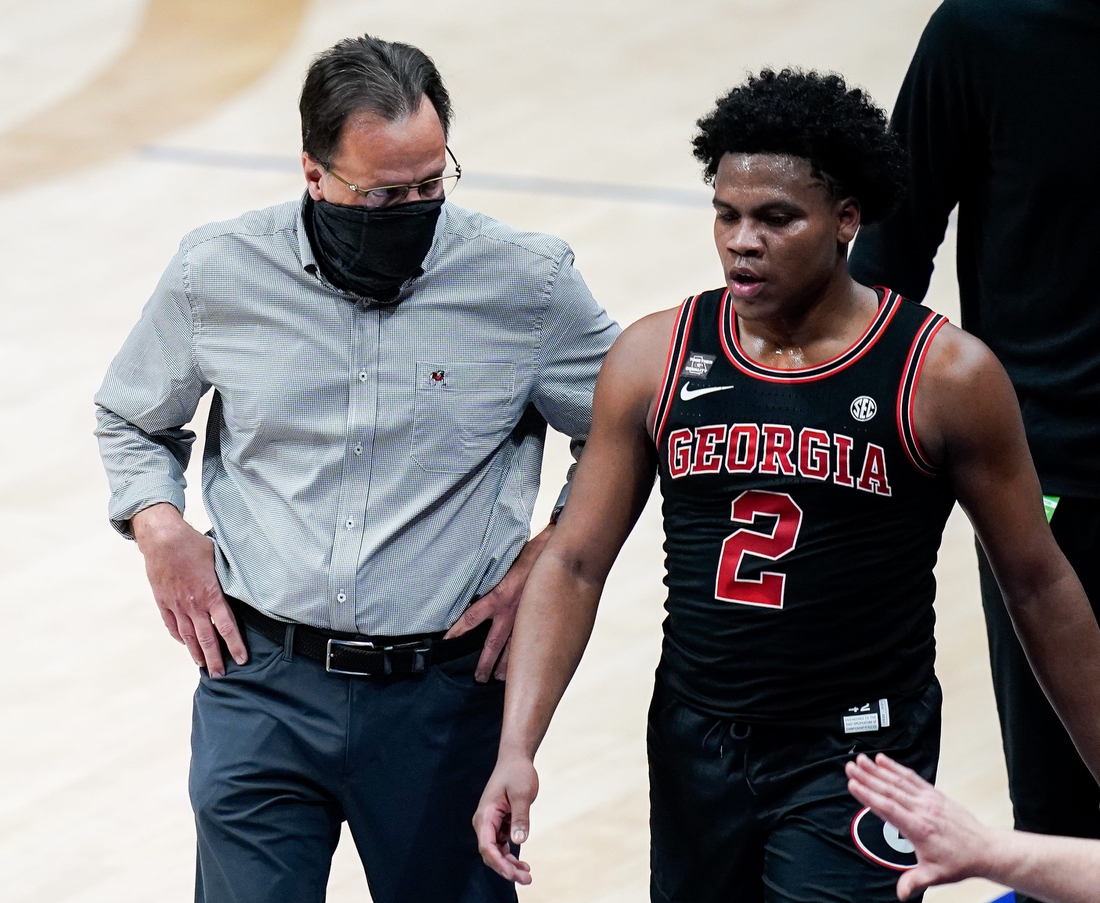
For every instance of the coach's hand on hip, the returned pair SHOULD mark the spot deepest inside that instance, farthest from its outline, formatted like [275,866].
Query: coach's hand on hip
[179,562]
[500,605]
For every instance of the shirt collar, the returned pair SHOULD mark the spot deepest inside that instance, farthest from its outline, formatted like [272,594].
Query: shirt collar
[305,249]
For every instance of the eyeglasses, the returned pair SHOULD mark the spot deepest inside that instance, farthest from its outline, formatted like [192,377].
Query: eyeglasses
[390,195]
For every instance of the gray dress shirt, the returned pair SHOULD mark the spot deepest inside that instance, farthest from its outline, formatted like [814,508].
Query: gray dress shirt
[368,469]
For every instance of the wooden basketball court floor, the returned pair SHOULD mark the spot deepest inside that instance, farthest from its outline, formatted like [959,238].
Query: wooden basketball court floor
[124,123]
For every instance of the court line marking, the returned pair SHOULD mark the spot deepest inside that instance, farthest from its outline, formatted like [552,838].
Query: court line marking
[186,58]
[480,181]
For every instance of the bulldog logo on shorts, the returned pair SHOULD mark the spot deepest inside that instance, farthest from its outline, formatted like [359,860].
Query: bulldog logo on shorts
[881,842]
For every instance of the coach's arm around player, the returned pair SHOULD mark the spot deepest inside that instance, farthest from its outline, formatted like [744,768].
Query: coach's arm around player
[952,845]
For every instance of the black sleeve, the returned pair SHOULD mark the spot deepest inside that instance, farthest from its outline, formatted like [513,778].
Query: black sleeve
[936,118]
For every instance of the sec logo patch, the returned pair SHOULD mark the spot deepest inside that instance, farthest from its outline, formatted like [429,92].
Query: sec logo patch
[881,842]
[863,408]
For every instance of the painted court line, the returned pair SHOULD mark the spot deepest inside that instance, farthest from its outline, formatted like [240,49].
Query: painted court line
[574,188]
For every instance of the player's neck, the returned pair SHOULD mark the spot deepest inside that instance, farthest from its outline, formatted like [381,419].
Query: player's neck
[813,330]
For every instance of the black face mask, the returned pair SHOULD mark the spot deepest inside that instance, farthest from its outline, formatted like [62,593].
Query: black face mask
[372,252]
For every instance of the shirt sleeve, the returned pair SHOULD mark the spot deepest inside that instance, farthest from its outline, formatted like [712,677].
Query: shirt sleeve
[576,336]
[938,120]
[150,392]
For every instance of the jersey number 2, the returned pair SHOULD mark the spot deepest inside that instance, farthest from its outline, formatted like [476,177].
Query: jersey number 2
[767,589]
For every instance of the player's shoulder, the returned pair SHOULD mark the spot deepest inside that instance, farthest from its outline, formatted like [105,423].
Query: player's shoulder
[638,358]
[649,337]
[957,363]
[476,230]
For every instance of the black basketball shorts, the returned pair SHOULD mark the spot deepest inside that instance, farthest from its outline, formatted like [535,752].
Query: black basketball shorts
[742,813]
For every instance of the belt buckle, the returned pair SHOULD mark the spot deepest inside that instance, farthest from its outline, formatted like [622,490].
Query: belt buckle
[357,644]
[419,648]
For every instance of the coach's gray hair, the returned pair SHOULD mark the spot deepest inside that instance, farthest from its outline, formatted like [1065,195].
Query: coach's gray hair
[366,73]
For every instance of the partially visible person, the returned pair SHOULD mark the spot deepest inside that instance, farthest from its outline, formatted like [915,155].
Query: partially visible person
[999,115]
[952,845]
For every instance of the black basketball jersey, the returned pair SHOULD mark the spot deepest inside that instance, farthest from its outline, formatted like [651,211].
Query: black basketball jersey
[802,519]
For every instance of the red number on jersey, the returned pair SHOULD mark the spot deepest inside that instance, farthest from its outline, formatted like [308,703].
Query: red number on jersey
[767,590]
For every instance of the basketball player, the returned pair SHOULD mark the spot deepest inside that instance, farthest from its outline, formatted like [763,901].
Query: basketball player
[811,435]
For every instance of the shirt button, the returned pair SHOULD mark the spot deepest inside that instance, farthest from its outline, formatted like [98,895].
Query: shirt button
[362,376]
[349,523]
[341,597]
[359,449]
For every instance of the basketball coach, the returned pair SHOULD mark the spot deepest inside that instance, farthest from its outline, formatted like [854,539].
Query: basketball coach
[384,364]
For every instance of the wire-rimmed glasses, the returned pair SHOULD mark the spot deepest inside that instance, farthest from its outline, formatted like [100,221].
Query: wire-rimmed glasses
[390,195]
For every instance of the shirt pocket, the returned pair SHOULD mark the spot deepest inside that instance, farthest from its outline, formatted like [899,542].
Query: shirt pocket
[463,413]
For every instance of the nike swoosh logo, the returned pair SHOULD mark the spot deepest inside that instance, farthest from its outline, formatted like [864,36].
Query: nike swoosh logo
[687,394]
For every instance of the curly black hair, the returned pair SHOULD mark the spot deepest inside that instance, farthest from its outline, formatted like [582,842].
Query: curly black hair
[839,130]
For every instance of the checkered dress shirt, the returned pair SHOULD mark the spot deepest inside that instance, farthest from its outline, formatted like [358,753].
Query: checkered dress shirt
[367,469]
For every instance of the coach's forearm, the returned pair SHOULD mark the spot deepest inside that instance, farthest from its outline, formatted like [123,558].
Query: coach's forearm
[1059,634]
[1058,869]
[552,628]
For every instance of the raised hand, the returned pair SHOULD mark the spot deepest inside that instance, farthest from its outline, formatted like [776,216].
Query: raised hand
[950,843]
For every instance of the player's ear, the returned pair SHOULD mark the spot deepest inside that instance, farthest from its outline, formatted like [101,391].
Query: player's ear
[847,219]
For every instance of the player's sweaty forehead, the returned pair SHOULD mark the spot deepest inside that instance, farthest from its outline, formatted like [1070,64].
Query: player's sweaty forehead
[748,180]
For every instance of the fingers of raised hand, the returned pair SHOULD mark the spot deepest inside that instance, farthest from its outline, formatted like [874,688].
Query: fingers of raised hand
[914,881]
[904,776]
[883,806]
[905,787]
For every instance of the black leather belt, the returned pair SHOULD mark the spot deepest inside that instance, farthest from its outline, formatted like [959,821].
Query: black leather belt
[365,656]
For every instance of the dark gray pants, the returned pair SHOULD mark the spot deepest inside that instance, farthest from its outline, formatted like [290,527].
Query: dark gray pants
[1052,791]
[283,753]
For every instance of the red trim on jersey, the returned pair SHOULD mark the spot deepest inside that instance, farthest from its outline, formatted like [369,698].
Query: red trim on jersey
[668,361]
[913,392]
[889,305]
[905,411]
[686,309]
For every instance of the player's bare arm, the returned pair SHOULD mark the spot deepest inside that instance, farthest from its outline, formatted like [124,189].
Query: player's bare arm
[559,602]
[968,419]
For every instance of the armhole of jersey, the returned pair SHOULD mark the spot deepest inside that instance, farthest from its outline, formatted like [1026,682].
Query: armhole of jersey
[907,394]
[673,363]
